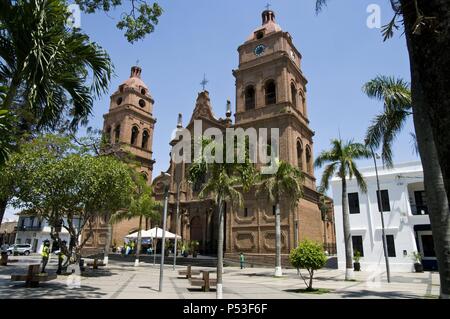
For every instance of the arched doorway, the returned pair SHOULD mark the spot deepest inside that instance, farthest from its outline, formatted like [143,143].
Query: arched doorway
[196,229]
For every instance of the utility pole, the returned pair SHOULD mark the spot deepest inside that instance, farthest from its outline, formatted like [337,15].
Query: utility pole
[163,244]
[380,208]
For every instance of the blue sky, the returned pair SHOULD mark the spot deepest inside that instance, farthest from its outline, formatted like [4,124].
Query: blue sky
[340,53]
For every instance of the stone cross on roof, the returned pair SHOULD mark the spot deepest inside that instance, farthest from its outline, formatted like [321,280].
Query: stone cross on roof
[204,82]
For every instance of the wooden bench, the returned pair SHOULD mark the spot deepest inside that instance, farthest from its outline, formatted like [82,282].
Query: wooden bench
[96,264]
[189,272]
[205,282]
[33,277]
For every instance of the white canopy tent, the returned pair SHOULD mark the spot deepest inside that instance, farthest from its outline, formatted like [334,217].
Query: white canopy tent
[152,233]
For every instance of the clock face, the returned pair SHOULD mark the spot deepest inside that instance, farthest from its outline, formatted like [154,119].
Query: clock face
[259,50]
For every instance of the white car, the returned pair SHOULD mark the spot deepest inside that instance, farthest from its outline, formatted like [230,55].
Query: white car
[19,249]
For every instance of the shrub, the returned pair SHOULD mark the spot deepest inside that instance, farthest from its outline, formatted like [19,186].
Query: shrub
[310,256]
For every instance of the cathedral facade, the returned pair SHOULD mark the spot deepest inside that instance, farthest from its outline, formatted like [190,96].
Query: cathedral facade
[270,93]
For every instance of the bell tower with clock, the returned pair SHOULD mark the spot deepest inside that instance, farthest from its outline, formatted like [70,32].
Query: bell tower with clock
[271,93]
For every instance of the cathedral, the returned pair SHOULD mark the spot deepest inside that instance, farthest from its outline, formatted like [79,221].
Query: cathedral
[270,93]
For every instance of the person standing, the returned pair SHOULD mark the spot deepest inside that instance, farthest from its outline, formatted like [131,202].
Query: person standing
[61,256]
[45,255]
[242,260]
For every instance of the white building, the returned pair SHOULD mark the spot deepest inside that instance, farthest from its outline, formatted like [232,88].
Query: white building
[407,225]
[34,231]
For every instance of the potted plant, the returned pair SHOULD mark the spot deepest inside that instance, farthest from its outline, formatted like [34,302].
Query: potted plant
[417,257]
[356,258]
[185,249]
[194,248]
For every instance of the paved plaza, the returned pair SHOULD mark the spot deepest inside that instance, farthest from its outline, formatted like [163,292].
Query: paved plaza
[121,280]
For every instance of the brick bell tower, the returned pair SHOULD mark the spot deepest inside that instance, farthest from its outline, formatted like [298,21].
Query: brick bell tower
[129,125]
[271,93]
[130,122]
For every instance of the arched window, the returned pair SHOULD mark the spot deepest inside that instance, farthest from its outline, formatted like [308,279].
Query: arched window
[300,155]
[145,137]
[108,136]
[117,134]
[271,92]
[308,159]
[294,95]
[134,135]
[250,98]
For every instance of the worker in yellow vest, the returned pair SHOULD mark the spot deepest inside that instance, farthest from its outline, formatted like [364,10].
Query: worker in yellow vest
[61,256]
[45,254]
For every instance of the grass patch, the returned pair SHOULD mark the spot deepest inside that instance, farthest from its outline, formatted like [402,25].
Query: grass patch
[429,296]
[317,291]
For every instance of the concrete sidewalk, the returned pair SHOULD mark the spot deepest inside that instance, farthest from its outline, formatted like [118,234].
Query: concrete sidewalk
[124,281]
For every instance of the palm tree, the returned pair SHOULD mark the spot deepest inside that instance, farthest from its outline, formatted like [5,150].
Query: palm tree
[287,184]
[225,183]
[397,106]
[396,97]
[143,206]
[341,158]
[46,65]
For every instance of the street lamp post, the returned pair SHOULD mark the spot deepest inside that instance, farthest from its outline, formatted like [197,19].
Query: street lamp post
[380,208]
[163,244]
[176,226]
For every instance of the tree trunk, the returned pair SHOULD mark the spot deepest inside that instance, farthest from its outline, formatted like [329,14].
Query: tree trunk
[138,249]
[347,235]
[429,64]
[107,243]
[219,288]
[278,271]
[311,275]
[3,204]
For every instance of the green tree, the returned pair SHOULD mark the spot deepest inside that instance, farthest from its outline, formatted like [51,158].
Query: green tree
[396,97]
[341,158]
[286,184]
[47,66]
[142,206]
[6,136]
[225,182]
[426,25]
[138,21]
[68,188]
[310,256]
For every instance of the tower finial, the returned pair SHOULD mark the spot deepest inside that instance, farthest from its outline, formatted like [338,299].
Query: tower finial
[268,15]
[228,112]
[180,121]
[204,82]
[135,72]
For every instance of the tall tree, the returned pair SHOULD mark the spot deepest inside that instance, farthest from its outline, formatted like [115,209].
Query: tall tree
[397,107]
[341,163]
[426,26]
[142,206]
[285,184]
[225,183]
[56,181]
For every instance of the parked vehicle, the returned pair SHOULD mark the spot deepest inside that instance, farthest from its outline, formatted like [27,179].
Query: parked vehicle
[19,249]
